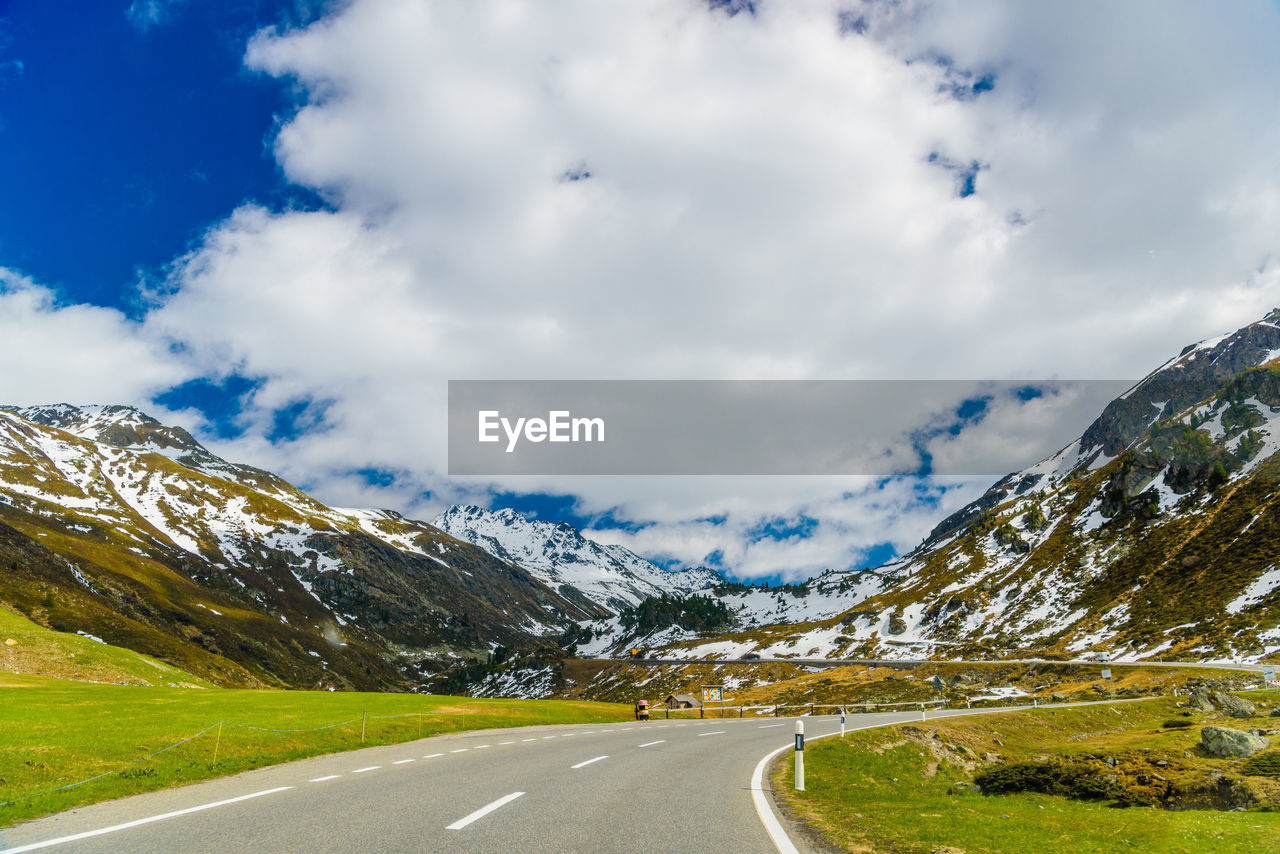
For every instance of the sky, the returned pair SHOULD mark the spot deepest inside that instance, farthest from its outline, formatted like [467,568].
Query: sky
[286,225]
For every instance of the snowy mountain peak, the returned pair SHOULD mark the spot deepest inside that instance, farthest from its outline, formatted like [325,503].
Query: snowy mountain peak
[118,426]
[560,555]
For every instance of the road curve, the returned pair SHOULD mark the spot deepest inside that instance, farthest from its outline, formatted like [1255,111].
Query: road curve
[658,786]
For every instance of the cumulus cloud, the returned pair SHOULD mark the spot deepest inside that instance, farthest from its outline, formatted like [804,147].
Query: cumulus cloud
[666,190]
[81,354]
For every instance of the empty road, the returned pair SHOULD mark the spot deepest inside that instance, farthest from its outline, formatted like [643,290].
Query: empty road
[631,787]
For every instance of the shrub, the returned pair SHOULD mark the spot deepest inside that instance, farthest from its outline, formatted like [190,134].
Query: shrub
[1068,779]
[1177,723]
[1265,764]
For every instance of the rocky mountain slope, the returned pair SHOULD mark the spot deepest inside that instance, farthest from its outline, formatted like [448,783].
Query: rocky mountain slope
[1156,535]
[612,577]
[606,576]
[118,526]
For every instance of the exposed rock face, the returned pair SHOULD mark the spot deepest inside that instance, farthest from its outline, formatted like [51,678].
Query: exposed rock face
[1224,742]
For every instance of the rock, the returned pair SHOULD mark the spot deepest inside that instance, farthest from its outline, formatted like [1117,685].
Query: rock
[1200,700]
[1228,703]
[897,625]
[1058,698]
[1275,713]
[962,786]
[1212,699]
[1221,741]
[947,849]
[1241,713]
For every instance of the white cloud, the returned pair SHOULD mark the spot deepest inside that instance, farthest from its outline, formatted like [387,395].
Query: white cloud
[81,354]
[761,203]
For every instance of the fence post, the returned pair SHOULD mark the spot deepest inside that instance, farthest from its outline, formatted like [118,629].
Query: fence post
[217,743]
[363,717]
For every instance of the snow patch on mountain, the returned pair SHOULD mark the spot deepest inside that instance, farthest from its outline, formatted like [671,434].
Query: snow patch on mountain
[560,556]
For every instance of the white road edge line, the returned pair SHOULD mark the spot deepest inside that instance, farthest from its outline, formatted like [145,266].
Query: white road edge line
[588,762]
[484,811]
[717,732]
[322,779]
[652,743]
[770,726]
[128,824]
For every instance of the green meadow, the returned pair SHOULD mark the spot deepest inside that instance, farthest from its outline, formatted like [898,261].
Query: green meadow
[894,789]
[58,732]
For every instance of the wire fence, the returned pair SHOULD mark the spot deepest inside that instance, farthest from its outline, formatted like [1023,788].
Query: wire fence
[363,722]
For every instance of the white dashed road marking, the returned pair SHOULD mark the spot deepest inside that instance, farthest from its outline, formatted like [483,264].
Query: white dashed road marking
[370,768]
[401,761]
[322,779]
[484,811]
[588,762]
[652,743]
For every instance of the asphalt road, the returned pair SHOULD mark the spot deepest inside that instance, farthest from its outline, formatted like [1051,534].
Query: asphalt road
[631,787]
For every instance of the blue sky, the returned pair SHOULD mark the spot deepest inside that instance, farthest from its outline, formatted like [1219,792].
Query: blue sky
[286,225]
[119,145]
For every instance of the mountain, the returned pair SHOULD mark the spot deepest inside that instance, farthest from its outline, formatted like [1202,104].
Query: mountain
[118,526]
[603,576]
[1156,534]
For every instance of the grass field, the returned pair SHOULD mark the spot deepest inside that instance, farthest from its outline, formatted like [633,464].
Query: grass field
[57,732]
[31,648]
[893,789]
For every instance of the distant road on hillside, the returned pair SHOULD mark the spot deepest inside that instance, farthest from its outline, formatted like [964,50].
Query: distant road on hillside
[904,663]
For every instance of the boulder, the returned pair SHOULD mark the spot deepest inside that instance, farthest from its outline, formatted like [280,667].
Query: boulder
[1211,700]
[1223,742]
[1201,701]
[1229,703]
[1275,713]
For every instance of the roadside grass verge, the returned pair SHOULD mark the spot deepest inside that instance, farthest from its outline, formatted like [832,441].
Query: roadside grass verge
[893,789]
[56,732]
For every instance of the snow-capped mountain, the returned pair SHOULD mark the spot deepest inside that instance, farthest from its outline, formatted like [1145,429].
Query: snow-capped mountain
[1156,534]
[114,524]
[578,568]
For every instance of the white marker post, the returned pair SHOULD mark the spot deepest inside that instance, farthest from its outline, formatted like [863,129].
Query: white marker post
[799,756]
[842,722]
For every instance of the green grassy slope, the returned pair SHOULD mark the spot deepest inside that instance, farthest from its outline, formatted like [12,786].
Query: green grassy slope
[56,732]
[894,789]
